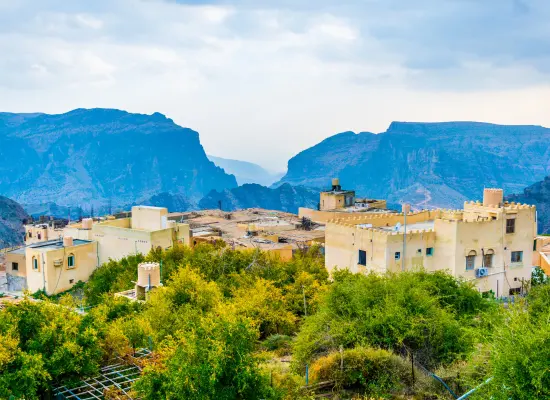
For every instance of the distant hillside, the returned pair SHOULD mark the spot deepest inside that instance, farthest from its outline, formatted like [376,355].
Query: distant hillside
[87,157]
[12,218]
[173,202]
[539,195]
[284,198]
[427,164]
[246,172]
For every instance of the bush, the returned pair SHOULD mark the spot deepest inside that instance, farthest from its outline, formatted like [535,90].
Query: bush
[376,371]
[278,343]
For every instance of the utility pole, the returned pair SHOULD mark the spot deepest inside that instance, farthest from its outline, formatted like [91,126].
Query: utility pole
[305,304]
[406,207]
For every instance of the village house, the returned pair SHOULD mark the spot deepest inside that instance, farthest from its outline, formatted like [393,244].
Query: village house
[489,243]
[339,203]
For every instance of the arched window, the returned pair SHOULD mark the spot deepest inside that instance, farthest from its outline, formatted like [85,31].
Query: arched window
[70,261]
[488,258]
[35,263]
[471,260]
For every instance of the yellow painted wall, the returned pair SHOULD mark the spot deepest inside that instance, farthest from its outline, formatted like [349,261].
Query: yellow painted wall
[20,260]
[451,240]
[149,218]
[56,279]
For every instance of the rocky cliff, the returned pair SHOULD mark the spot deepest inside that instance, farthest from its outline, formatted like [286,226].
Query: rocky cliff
[539,195]
[95,156]
[12,218]
[427,164]
[284,198]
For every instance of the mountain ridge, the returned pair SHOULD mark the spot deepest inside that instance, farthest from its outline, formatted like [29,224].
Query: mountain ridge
[90,156]
[427,164]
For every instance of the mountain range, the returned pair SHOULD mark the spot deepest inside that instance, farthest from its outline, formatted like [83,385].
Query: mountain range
[96,156]
[284,198]
[427,164]
[246,172]
[537,194]
[12,218]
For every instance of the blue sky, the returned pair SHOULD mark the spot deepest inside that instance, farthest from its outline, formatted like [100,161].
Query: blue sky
[262,80]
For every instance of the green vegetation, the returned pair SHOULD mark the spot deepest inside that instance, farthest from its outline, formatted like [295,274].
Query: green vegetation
[232,324]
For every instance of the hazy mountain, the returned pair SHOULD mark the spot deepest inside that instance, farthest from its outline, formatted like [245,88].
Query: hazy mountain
[95,156]
[12,218]
[539,195]
[284,198]
[246,172]
[173,202]
[427,164]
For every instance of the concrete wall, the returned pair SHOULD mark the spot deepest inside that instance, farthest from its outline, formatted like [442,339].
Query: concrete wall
[20,260]
[56,279]
[32,234]
[451,239]
[149,218]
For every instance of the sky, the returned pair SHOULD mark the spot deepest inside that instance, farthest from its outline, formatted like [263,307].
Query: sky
[262,80]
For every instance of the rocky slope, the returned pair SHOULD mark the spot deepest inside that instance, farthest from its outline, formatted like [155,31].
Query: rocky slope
[539,195]
[284,198]
[95,156]
[246,172]
[427,164]
[12,218]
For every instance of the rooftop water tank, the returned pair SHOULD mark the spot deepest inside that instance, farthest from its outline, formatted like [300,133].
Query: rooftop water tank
[67,241]
[492,197]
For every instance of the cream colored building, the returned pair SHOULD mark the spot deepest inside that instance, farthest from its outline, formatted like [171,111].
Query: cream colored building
[489,243]
[541,255]
[338,203]
[42,232]
[147,228]
[53,266]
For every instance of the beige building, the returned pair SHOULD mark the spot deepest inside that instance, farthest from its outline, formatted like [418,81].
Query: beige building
[43,231]
[147,228]
[489,243]
[338,203]
[541,253]
[53,266]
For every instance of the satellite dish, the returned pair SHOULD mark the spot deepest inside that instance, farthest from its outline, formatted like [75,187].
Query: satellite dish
[397,227]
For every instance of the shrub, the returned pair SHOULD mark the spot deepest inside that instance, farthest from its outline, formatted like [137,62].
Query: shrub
[278,343]
[375,370]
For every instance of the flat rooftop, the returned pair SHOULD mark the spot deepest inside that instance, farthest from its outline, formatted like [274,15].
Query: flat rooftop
[49,245]
[231,227]
[400,228]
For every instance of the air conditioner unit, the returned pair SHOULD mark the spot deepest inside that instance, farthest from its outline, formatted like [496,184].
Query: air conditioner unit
[481,272]
[58,263]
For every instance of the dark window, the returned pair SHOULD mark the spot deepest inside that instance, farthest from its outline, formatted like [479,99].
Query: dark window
[362,257]
[510,225]
[14,266]
[488,260]
[30,234]
[517,256]
[397,255]
[429,251]
[39,235]
[419,251]
[71,281]
[535,245]
[470,262]
[70,261]
[514,291]
[35,264]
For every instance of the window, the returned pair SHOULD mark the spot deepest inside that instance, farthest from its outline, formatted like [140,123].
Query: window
[362,257]
[471,260]
[517,256]
[535,245]
[430,251]
[71,281]
[14,266]
[35,263]
[397,255]
[70,261]
[510,225]
[39,236]
[488,258]
[514,291]
[30,234]
[419,251]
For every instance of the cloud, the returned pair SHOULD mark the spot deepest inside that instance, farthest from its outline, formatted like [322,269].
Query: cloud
[263,79]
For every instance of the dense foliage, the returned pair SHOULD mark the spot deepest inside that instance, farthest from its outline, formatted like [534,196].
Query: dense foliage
[226,323]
